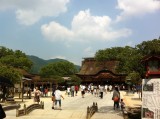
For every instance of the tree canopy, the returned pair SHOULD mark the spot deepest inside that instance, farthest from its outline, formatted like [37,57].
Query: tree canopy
[130,57]
[11,60]
[55,70]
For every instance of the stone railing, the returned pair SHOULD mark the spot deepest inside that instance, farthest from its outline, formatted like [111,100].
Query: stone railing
[27,110]
[11,107]
[91,110]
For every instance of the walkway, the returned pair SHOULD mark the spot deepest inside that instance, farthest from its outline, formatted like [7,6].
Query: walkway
[72,108]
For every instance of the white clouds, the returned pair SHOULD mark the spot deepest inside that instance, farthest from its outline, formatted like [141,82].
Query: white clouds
[89,52]
[136,8]
[29,12]
[84,27]
[58,57]
[54,31]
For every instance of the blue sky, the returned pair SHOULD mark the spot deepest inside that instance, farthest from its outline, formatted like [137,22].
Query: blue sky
[74,29]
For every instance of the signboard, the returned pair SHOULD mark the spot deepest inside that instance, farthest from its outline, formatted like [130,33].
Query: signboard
[151,98]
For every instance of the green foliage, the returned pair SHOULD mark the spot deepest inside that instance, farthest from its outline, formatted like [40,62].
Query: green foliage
[16,59]
[149,47]
[127,56]
[10,73]
[56,79]
[38,63]
[75,80]
[56,70]
[130,58]
[10,60]
[135,77]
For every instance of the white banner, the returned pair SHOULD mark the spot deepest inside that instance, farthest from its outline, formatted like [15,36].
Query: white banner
[151,98]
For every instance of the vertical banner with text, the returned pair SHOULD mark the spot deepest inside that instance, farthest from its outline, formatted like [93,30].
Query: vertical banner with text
[151,98]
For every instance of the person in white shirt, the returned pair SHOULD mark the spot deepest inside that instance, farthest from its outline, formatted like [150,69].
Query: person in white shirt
[105,87]
[58,96]
[101,91]
[110,88]
[68,91]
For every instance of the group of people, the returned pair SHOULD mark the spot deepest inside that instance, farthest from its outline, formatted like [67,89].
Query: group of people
[44,91]
[56,96]
[99,90]
[73,90]
[95,90]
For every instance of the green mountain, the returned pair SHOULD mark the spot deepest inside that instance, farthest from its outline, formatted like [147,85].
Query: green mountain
[38,63]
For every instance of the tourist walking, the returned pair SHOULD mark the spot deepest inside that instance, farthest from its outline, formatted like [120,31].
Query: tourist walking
[83,91]
[105,88]
[46,91]
[68,90]
[95,91]
[76,89]
[72,91]
[110,88]
[58,96]
[101,91]
[116,98]
[53,96]
[92,88]
[37,94]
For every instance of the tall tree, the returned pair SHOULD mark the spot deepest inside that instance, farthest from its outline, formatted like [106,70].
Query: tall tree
[129,59]
[10,60]
[55,70]
[150,47]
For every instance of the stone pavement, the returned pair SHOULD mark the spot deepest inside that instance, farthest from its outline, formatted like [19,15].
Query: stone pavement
[72,108]
[106,109]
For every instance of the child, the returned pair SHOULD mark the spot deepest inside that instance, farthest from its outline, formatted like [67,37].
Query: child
[122,104]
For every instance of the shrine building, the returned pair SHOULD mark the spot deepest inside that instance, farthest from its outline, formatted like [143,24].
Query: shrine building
[100,72]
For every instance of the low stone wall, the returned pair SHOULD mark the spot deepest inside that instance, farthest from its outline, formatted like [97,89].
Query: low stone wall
[11,107]
[27,110]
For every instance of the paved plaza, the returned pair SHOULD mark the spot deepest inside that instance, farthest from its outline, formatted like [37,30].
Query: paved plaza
[72,108]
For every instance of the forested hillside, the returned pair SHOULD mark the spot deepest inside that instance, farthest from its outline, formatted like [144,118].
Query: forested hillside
[38,63]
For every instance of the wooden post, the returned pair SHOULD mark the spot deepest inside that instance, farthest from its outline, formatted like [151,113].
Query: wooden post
[96,107]
[42,105]
[88,115]
[17,112]
[93,103]
[24,109]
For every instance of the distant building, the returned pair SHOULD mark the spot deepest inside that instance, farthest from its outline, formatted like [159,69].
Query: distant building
[103,72]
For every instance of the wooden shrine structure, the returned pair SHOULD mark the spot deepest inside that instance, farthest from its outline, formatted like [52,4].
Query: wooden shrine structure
[152,66]
[103,72]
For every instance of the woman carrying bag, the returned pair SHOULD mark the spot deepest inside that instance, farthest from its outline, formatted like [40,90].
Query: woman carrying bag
[116,98]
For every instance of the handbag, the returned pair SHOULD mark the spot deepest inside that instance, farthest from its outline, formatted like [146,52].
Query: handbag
[53,98]
[115,99]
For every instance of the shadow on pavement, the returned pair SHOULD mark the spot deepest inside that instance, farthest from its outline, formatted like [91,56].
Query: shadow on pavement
[109,109]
